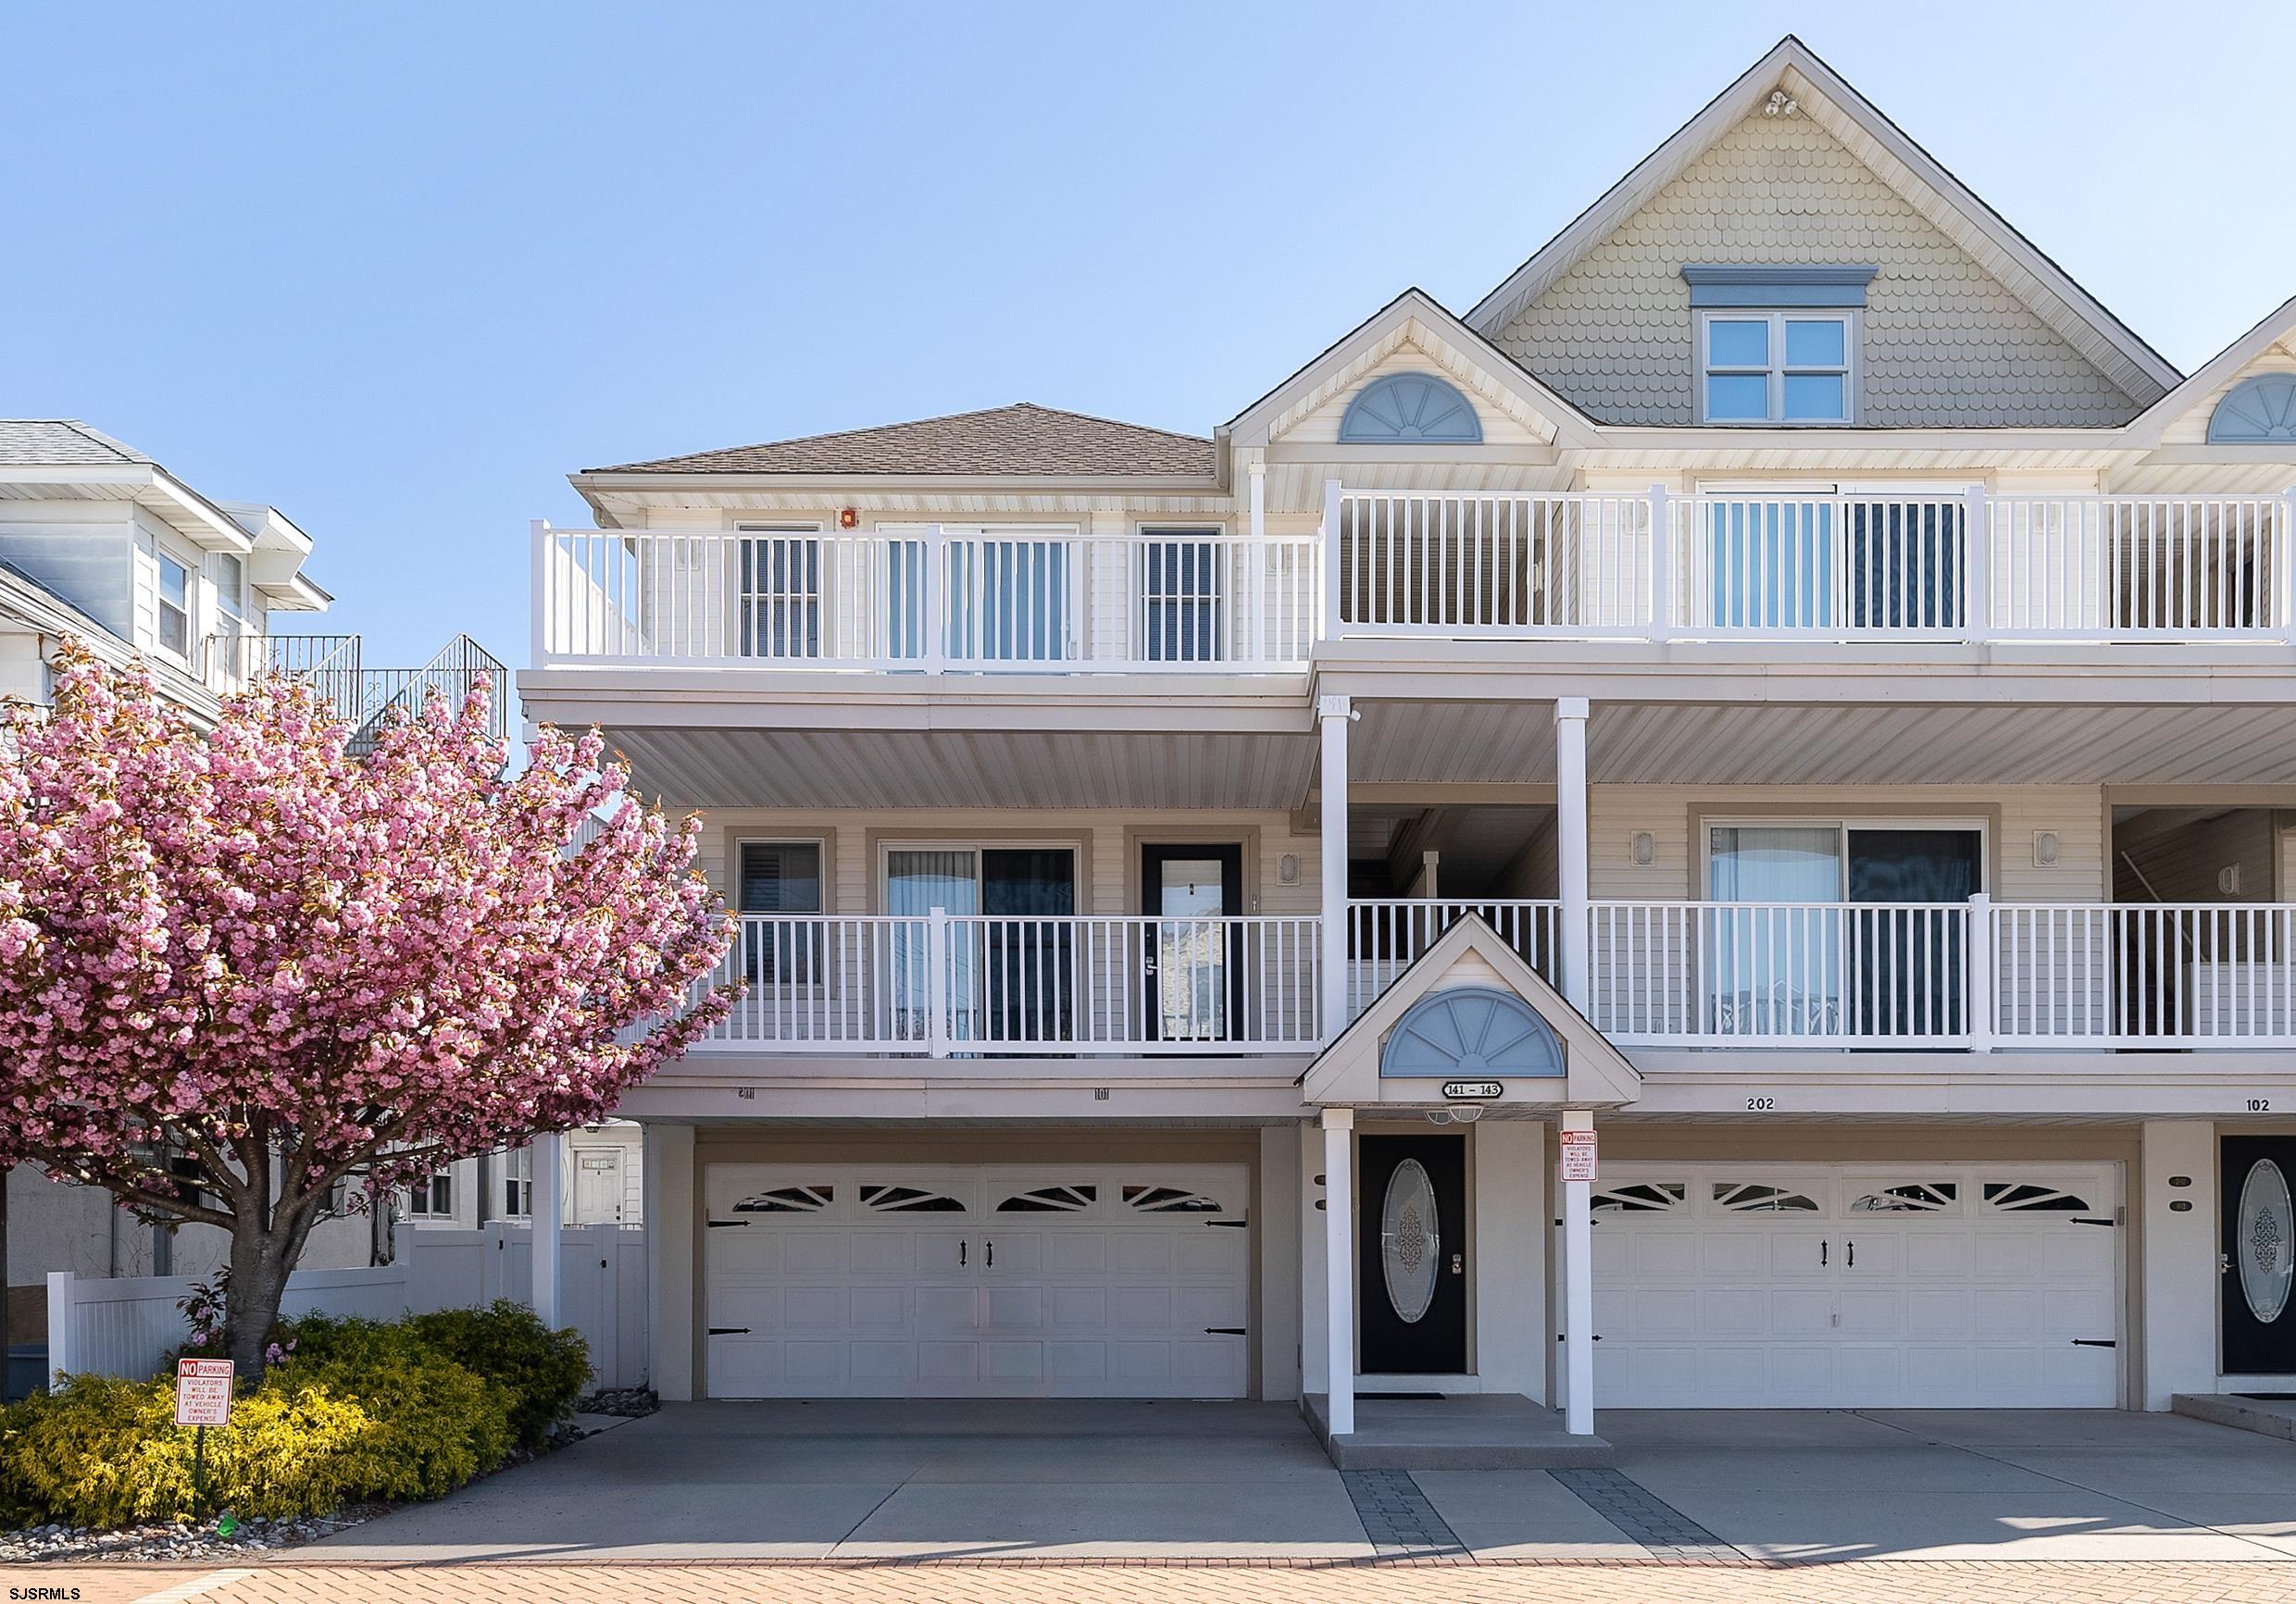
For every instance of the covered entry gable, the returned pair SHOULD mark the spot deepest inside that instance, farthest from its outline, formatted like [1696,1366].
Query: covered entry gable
[1470,1009]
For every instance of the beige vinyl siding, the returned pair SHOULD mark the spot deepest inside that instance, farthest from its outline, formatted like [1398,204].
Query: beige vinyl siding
[1108,848]
[1643,968]
[1321,426]
[1945,344]
[2075,813]
[2191,428]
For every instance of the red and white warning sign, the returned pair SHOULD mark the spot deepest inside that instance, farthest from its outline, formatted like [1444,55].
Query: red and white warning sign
[203,1392]
[1578,1155]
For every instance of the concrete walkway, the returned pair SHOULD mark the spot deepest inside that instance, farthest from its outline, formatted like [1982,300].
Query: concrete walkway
[1187,1482]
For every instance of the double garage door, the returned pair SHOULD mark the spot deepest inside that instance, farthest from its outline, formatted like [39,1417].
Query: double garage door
[900,1281]
[1917,1286]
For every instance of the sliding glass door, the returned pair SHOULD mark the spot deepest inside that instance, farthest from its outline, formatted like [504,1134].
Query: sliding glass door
[1825,558]
[1008,966]
[1838,931]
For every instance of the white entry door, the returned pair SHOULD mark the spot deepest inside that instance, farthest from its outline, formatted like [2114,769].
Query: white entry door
[1832,1287]
[900,1281]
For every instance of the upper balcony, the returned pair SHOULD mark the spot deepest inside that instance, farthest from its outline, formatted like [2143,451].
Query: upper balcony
[1874,568]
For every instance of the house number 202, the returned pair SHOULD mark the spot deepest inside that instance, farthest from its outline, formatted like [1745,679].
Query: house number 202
[1762,1104]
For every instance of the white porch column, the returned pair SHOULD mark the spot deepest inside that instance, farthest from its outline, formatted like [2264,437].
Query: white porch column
[671,1258]
[1254,646]
[1334,714]
[1339,1266]
[1570,843]
[2178,1302]
[1578,1293]
[548,1208]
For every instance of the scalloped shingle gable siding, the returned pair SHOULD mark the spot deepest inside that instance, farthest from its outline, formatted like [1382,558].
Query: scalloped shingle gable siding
[1945,344]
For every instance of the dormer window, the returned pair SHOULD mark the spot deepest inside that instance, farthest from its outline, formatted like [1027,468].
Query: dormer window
[1777,345]
[1776,367]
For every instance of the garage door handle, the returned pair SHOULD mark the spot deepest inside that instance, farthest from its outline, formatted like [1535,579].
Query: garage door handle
[2093,1342]
[1223,1331]
[729,1331]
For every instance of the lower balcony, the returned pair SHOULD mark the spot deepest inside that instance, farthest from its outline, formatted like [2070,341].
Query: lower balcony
[1970,976]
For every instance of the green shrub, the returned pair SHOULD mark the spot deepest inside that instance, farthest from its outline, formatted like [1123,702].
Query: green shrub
[361,1409]
[545,1370]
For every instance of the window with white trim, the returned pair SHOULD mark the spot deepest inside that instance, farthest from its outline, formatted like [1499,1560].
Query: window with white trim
[1797,367]
[779,877]
[516,1170]
[175,606]
[431,1196]
[229,576]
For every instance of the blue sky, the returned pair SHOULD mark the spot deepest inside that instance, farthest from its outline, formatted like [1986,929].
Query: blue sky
[397,268]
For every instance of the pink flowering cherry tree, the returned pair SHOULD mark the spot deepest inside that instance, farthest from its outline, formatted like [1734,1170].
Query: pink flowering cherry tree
[247,977]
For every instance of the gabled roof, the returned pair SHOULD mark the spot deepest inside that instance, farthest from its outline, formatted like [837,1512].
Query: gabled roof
[1471,953]
[64,442]
[1020,439]
[1948,204]
[2148,427]
[1418,317]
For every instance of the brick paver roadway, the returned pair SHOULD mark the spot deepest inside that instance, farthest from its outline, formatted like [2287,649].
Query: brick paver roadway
[1149,1582]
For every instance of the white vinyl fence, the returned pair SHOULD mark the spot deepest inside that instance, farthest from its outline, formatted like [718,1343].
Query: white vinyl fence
[128,1325]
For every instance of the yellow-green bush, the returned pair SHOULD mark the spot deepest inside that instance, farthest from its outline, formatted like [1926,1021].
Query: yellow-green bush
[380,1417]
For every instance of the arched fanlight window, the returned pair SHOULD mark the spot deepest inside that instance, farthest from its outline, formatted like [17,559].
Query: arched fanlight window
[1410,409]
[2258,411]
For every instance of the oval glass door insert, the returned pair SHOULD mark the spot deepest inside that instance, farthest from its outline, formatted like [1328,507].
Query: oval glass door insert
[2267,1252]
[1410,1241]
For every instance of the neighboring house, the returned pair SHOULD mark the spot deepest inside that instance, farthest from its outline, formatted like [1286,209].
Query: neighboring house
[603,1164]
[1787,683]
[100,542]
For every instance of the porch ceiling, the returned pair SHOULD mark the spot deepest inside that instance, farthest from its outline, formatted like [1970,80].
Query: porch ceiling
[787,768]
[1629,743]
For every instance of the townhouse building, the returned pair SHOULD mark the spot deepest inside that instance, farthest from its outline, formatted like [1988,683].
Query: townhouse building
[1714,831]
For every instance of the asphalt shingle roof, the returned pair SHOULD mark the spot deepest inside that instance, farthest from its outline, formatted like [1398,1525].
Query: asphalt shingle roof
[37,441]
[1021,439]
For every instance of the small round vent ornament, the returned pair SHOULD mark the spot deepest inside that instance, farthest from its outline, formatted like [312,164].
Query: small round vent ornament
[2265,1242]
[1411,1241]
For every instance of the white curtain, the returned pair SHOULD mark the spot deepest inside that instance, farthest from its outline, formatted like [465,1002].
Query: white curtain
[917,883]
[1775,971]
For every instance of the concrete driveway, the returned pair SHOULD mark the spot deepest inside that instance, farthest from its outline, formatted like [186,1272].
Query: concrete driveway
[1070,1480]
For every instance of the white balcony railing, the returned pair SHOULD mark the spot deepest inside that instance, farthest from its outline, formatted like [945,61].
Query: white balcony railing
[1385,937]
[1507,566]
[1717,564]
[941,985]
[2148,975]
[932,599]
[1782,974]
[1974,976]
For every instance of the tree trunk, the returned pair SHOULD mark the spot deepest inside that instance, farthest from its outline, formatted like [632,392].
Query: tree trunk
[261,1261]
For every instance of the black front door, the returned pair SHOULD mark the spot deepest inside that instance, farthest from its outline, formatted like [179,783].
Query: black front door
[1411,1225]
[2258,1236]
[1191,965]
